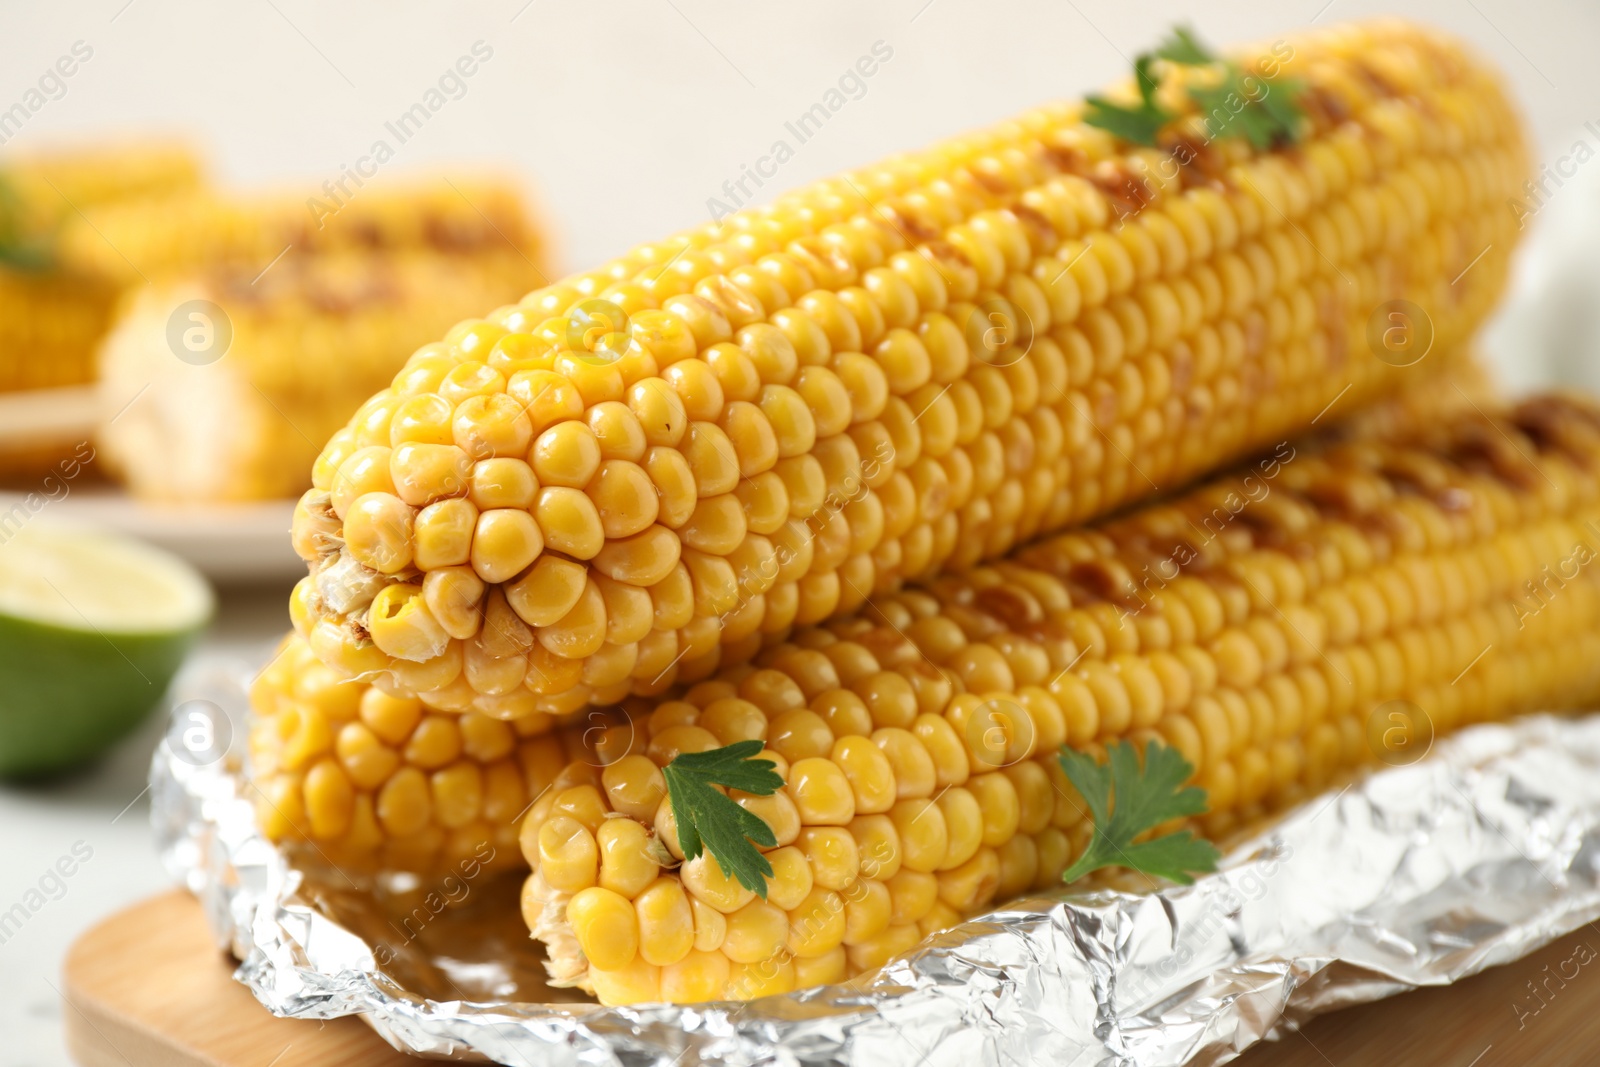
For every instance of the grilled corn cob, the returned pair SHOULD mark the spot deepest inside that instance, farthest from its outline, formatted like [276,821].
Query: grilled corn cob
[50,325]
[42,191]
[53,314]
[164,237]
[278,362]
[757,424]
[1325,608]
[380,783]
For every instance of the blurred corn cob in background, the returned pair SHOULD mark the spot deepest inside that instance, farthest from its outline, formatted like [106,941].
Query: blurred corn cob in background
[917,366]
[477,221]
[45,190]
[53,311]
[293,325]
[305,344]
[1322,609]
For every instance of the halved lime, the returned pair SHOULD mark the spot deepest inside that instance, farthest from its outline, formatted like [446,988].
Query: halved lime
[92,629]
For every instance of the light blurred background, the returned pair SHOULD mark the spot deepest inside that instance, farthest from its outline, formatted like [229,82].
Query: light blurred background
[620,122]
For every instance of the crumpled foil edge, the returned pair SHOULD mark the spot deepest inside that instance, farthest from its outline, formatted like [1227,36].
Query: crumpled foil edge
[1412,876]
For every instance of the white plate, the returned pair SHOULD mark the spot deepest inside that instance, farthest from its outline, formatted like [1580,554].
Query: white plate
[228,543]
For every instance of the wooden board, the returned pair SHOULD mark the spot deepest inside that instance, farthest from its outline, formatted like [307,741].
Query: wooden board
[146,988]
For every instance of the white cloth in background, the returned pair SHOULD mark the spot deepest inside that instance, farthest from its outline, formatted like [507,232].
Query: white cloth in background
[1548,331]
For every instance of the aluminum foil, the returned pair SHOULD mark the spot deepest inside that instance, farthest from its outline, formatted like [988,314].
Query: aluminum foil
[1420,875]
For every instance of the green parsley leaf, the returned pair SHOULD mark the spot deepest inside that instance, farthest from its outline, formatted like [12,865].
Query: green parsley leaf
[1126,800]
[19,249]
[1268,117]
[1144,75]
[1282,104]
[1184,47]
[708,820]
[1138,125]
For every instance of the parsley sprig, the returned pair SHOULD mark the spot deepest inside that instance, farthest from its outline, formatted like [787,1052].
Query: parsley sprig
[1266,119]
[711,821]
[1127,799]
[19,248]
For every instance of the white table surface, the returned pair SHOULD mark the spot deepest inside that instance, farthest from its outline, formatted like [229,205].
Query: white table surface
[105,808]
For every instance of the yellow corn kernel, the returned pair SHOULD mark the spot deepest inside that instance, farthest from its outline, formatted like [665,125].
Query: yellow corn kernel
[502,483]
[998,807]
[844,712]
[964,826]
[492,426]
[403,627]
[583,802]
[874,952]
[868,770]
[365,758]
[423,474]
[442,534]
[756,932]
[820,792]
[924,837]
[697,977]
[777,811]
[816,924]
[1019,866]
[911,895]
[549,590]
[634,786]
[435,742]
[377,532]
[606,926]
[770,977]
[732,720]
[964,886]
[826,969]
[504,542]
[710,926]
[365,471]
[569,522]
[627,861]
[704,877]
[567,454]
[913,768]
[568,855]
[791,880]
[457,794]
[404,803]
[328,799]
[878,844]
[800,734]
[866,910]
[625,498]
[666,923]
[833,854]
[454,596]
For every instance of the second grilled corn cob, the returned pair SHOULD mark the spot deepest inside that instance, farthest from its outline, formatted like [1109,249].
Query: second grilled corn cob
[917,366]
[379,783]
[1324,609]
